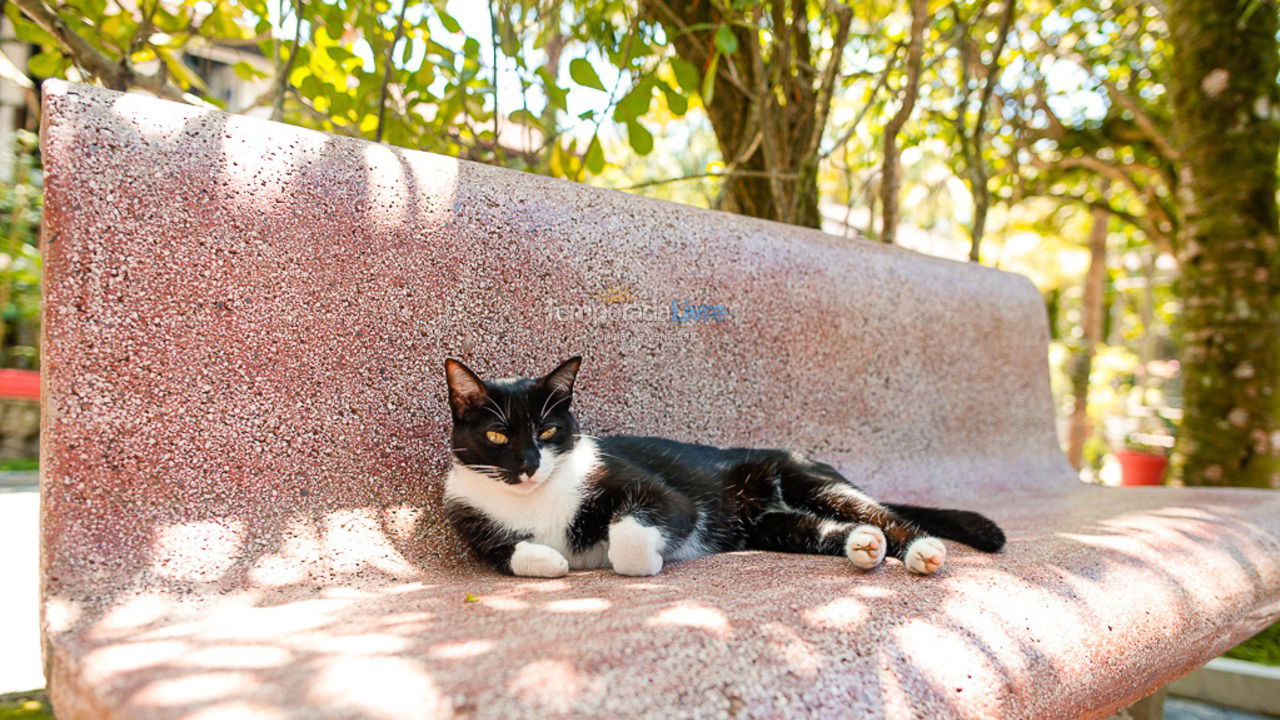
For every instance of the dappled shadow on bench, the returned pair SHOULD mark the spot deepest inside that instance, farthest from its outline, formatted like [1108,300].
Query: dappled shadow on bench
[242,494]
[1111,588]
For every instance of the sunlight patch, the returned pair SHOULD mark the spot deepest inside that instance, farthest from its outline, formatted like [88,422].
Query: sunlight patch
[198,551]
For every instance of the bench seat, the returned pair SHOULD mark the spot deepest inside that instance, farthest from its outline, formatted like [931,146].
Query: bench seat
[1101,596]
[245,438]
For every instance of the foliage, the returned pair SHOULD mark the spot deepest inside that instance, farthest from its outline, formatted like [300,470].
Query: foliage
[21,203]
[1030,114]
[19,464]
[33,705]
[1261,648]
[408,73]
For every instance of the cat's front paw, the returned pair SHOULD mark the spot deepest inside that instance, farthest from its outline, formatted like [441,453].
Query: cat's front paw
[925,555]
[634,549]
[865,546]
[533,560]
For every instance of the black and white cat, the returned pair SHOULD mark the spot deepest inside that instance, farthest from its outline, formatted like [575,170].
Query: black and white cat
[532,496]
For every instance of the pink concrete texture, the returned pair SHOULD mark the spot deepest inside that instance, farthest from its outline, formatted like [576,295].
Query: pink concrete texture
[245,440]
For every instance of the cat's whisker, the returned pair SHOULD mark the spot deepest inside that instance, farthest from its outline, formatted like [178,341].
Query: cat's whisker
[546,410]
[542,414]
[497,411]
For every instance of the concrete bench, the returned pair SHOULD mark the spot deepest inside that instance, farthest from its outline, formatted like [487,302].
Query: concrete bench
[245,426]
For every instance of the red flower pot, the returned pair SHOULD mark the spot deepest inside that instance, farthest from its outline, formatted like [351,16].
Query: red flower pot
[19,385]
[1141,468]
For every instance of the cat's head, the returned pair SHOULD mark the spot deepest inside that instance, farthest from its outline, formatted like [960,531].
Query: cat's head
[515,430]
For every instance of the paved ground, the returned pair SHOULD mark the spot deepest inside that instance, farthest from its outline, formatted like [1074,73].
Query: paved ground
[19,552]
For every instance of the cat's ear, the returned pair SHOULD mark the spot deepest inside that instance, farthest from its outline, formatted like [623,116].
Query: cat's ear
[560,380]
[466,389]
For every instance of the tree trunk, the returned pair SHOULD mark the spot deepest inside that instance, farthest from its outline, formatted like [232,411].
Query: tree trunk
[768,108]
[891,183]
[977,163]
[981,205]
[1092,311]
[1225,103]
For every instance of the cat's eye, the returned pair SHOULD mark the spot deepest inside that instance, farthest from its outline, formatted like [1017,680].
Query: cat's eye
[548,433]
[496,438]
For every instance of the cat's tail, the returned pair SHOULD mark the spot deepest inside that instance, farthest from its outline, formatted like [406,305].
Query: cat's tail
[970,528]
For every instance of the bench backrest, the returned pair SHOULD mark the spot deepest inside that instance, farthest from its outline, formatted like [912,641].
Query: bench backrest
[246,322]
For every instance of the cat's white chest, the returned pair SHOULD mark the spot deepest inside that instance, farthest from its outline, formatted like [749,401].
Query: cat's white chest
[547,514]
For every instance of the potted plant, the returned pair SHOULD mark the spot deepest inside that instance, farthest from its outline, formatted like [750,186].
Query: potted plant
[1145,455]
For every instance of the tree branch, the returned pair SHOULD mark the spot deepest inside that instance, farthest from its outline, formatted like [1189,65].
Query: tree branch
[108,71]
[390,66]
[1144,122]
[1142,223]
[844,19]
[1163,144]
[282,81]
[871,100]
[1089,162]
[700,176]
[496,41]
[993,70]
[11,73]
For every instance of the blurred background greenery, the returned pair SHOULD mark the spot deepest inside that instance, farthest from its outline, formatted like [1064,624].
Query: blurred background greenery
[1056,139]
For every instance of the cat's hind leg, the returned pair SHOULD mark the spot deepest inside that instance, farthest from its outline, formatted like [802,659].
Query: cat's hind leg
[924,555]
[866,546]
[802,532]
[819,489]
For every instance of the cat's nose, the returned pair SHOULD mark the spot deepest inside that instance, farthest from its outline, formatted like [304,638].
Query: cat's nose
[529,464]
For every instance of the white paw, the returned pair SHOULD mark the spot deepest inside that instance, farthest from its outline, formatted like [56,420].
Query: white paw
[925,555]
[634,549]
[865,546]
[534,560]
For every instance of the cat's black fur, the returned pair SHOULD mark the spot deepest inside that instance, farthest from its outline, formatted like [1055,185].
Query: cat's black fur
[701,499]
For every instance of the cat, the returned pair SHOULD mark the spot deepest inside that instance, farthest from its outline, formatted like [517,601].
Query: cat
[532,496]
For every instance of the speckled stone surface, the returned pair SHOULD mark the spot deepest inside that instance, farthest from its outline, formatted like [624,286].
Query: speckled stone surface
[245,441]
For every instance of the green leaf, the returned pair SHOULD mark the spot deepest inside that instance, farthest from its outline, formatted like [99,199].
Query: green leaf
[524,117]
[339,53]
[557,96]
[583,74]
[45,64]
[686,75]
[640,138]
[120,28]
[30,33]
[311,86]
[245,71]
[220,24]
[186,77]
[449,22]
[334,22]
[340,103]
[709,80]
[726,41]
[635,103]
[678,103]
[595,156]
